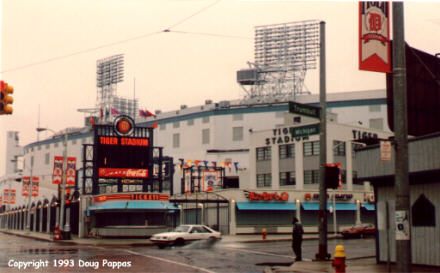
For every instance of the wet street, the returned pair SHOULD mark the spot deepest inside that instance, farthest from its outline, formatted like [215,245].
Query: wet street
[20,254]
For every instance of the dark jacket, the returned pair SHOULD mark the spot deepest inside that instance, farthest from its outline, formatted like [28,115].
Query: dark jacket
[297,231]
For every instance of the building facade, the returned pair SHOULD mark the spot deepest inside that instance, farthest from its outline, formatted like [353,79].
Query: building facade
[423,221]
[233,135]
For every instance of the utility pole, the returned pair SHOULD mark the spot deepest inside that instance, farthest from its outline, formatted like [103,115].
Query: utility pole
[322,252]
[403,232]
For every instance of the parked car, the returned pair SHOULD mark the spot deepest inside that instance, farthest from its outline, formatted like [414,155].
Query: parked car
[183,234]
[359,231]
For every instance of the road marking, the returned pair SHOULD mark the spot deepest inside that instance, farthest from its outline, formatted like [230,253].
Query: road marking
[260,253]
[169,261]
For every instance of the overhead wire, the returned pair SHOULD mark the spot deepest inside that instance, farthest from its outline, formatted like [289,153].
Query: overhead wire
[168,29]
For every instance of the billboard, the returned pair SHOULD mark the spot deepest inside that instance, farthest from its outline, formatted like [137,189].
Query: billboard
[374,37]
[122,157]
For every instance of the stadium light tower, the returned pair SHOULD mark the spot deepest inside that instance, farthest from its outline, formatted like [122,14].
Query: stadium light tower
[283,54]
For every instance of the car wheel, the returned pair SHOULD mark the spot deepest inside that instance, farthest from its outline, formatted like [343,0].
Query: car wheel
[179,242]
[161,246]
[361,235]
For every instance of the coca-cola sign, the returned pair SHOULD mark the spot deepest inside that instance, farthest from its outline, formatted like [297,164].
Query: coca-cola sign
[123,172]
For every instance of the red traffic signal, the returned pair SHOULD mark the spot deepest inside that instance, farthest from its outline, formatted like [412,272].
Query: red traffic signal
[5,98]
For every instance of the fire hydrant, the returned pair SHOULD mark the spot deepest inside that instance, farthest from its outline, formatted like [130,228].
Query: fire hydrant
[264,233]
[57,234]
[339,262]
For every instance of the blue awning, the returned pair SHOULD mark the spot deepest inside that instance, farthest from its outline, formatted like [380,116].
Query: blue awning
[368,206]
[339,206]
[265,206]
[151,205]
[114,205]
[132,205]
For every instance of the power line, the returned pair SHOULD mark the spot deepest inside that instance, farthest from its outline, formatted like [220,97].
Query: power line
[123,41]
[208,34]
[79,52]
[192,15]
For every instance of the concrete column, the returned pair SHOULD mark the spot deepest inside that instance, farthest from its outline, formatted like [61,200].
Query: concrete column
[57,216]
[232,221]
[299,165]
[202,216]
[275,166]
[48,219]
[182,215]
[41,217]
[35,218]
[81,225]
[358,212]
[349,164]
[298,209]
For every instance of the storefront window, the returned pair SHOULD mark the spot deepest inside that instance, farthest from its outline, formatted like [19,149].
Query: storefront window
[287,178]
[287,151]
[263,153]
[264,180]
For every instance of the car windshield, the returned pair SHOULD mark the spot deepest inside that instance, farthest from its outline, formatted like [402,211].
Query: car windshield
[182,229]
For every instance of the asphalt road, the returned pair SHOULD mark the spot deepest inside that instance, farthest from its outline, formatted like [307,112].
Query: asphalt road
[19,254]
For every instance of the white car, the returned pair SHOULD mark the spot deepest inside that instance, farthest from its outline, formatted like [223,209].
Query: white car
[183,234]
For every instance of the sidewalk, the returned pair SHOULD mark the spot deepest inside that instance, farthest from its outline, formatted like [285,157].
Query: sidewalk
[360,265]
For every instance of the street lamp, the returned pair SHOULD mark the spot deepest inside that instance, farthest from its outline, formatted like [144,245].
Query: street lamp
[66,228]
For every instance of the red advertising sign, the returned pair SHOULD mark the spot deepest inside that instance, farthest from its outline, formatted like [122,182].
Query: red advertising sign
[123,172]
[134,196]
[374,37]
[71,171]
[57,170]
[26,184]
[35,185]
[284,196]
[211,179]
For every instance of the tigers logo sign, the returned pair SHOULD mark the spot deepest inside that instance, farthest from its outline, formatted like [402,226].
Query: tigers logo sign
[374,33]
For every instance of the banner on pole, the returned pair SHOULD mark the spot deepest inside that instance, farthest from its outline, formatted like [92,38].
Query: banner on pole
[35,185]
[26,184]
[71,171]
[57,170]
[374,37]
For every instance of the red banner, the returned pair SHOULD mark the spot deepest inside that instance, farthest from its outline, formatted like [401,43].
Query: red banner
[35,185]
[9,196]
[57,170]
[26,183]
[374,37]
[12,198]
[5,196]
[71,171]
[122,172]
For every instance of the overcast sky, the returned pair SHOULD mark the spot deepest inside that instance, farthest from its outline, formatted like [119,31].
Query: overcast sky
[49,51]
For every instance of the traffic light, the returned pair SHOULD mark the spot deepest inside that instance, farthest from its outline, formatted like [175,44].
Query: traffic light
[332,177]
[5,98]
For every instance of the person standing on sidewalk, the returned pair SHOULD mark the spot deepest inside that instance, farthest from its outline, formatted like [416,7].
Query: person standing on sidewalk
[297,236]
